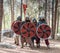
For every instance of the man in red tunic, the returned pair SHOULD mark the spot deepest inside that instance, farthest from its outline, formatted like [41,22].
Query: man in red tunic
[41,21]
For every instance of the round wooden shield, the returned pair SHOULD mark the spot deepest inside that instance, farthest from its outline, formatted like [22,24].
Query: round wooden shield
[16,27]
[43,31]
[12,24]
[28,29]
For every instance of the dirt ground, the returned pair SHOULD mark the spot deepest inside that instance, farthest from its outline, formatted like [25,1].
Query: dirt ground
[54,47]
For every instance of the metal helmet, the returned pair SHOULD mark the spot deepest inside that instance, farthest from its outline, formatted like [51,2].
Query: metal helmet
[27,18]
[34,20]
[19,18]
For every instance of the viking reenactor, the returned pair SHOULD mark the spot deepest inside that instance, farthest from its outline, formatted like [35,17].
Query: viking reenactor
[17,32]
[35,37]
[43,21]
[23,39]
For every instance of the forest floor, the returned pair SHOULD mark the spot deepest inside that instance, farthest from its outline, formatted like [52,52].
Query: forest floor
[54,47]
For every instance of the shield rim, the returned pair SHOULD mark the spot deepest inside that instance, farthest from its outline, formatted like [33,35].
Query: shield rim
[37,30]
[24,24]
[13,25]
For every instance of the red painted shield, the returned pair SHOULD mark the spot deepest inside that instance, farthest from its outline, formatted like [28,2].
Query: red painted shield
[43,31]
[16,27]
[28,30]
[12,24]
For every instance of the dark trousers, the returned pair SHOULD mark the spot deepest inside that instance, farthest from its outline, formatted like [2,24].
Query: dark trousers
[35,38]
[47,42]
[38,40]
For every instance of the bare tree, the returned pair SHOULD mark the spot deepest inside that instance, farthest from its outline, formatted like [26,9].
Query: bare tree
[1,15]
[45,9]
[12,10]
[21,8]
[54,17]
[48,12]
[58,21]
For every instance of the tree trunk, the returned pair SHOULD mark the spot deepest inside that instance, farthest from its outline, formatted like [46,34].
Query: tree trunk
[55,23]
[39,7]
[45,9]
[1,15]
[54,18]
[48,8]
[21,9]
[12,10]
[58,22]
